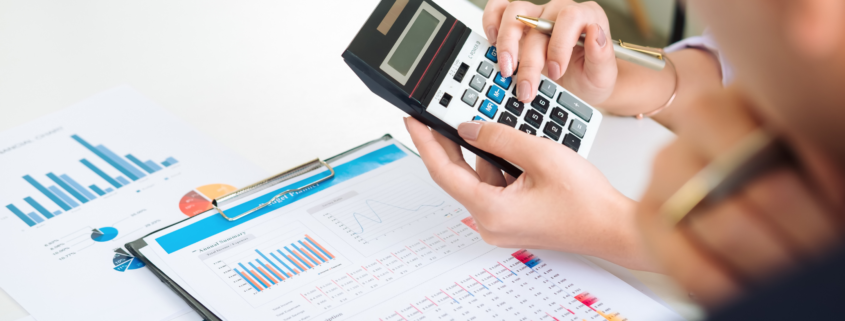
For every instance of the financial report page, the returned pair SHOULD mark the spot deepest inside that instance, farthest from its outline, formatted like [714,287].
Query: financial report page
[378,241]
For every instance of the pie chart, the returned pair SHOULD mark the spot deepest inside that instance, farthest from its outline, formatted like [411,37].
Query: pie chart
[199,200]
[103,234]
[123,261]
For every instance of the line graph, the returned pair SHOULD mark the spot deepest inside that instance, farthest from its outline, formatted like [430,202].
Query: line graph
[371,218]
[377,218]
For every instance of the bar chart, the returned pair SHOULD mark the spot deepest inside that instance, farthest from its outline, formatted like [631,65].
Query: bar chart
[63,193]
[282,262]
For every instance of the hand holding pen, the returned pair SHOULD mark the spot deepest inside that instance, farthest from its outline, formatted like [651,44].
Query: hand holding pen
[589,71]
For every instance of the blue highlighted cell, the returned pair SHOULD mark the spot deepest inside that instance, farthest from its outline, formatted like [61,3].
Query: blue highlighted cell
[56,213]
[488,109]
[109,190]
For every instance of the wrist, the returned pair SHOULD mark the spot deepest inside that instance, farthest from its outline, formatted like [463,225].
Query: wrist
[620,239]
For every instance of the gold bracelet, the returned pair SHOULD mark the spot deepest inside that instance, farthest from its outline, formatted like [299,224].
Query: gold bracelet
[671,99]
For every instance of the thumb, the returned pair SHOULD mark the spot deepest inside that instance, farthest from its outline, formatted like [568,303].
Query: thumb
[524,150]
[599,58]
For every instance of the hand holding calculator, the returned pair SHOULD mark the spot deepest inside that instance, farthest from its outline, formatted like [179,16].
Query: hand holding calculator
[427,63]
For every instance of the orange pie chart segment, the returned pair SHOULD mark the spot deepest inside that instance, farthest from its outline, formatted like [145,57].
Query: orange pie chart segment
[199,200]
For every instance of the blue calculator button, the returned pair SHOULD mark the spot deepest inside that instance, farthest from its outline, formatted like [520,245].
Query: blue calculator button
[502,81]
[491,54]
[478,118]
[496,93]
[488,109]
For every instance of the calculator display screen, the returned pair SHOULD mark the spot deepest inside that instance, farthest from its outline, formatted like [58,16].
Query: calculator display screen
[406,53]
[412,45]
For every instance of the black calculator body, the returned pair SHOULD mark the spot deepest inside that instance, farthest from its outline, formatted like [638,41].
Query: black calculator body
[423,60]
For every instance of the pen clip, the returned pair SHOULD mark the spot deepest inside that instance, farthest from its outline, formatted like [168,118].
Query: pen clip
[655,52]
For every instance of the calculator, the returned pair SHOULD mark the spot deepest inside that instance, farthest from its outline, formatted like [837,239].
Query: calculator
[424,61]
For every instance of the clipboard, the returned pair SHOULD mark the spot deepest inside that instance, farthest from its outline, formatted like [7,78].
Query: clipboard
[135,247]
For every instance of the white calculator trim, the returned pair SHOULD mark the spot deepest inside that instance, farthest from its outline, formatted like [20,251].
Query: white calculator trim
[388,69]
[473,53]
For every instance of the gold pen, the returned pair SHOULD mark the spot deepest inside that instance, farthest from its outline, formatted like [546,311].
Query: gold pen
[641,55]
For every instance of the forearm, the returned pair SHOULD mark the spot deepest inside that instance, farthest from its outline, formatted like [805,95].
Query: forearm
[642,90]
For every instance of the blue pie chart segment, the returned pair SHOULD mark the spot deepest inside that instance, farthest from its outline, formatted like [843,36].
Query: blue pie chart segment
[105,234]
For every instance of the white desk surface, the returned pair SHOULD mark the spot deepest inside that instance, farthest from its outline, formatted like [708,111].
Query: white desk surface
[264,78]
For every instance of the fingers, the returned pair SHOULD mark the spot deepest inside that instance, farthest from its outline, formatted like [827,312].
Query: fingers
[511,32]
[599,59]
[489,173]
[570,22]
[794,212]
[492,18]
[512,145]
[532,59]
[459,182]
[732,233]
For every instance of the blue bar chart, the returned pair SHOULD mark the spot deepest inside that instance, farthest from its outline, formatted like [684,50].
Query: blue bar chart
[275,266]
[63,193]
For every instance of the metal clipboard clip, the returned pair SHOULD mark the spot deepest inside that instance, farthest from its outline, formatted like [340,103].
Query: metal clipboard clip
[296,171]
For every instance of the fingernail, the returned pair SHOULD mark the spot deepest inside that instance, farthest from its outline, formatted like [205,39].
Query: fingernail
[469,130]
[506,64]
[492,33]
[602,38]
[554,70]
[523,91]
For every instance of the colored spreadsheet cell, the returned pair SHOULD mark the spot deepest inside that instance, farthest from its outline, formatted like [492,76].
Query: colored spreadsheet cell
[527,258]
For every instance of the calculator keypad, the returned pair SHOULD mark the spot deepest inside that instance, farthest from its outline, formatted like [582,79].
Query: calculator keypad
[470,97]
[485,69]
[477,83]
[554,113]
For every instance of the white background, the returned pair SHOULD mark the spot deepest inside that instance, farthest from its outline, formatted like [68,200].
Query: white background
[264,78]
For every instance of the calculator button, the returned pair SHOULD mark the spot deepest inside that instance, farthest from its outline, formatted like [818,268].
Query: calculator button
[485,69]
[515,106]
[507,119]
[502,81]
[575,106]
[548,88]
[559,116]
[534,118]
[496,94]
[445,100]
[528,129]
[553,130]
[477,83]
[572,142]
[488,109]
[462,71]
[541,104]
[470,97]
[491,54]
[578,128]
[478,118]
